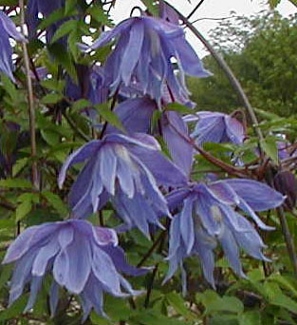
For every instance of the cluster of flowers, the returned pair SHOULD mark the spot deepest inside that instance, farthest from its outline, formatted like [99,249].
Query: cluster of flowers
[146,67]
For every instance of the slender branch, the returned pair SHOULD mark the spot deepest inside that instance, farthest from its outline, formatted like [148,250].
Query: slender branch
[31,104]
[195,9]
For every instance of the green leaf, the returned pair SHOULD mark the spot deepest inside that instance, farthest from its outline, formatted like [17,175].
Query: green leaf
[179,108]
[51,137]
[6,271]
[214,303]
[15,310]
[15,183]
[19,165]
[276,297]
[53,84]
[52,98]
[109,116]
[65,29]
[283,282]
[81,104]
[175,300]
[26,202]
[55,201]
[270,148]
[9,86]
[250,318]
[99,15]
[69,6]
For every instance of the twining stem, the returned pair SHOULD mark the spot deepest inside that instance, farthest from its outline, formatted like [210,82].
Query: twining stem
[31,104]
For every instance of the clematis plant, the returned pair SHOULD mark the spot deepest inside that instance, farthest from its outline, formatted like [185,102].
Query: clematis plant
[107,186]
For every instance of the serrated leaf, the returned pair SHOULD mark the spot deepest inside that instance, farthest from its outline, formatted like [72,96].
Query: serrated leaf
[65,29]
[19,165]
[109,116]
[81,104]
[99,15]
[53,84]
[179,108]
[26,202]
[270,148]
[55,201]
[23,209]
[15,183]
[52,98]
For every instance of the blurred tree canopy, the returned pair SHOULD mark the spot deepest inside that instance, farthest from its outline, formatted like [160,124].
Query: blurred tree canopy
[262,52]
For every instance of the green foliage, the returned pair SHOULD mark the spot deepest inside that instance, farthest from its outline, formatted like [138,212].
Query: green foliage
[262,54]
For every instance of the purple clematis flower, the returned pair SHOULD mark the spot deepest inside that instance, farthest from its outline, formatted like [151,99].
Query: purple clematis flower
[82,258]
[136,115]
[145,48]
[90,85]
[7,29]
[207,216]
[126,170]
[168,13]
[216,127]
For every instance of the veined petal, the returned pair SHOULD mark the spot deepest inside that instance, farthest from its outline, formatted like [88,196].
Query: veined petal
[105,271]
[258,196]
[43,256]
[187,224]
[61,268]
[132,51]
[108,165]
[78,156]
[80,259]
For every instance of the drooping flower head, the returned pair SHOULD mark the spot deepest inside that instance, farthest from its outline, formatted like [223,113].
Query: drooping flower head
[207,216]
[143,54]
[216,127]
[82,258]
[127,170]
[7,29]
[136,115]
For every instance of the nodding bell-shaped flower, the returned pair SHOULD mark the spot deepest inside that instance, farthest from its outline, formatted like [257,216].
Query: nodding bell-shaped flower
[207,215]
[146,50]
[216,127]
[82,258]
[127,170]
